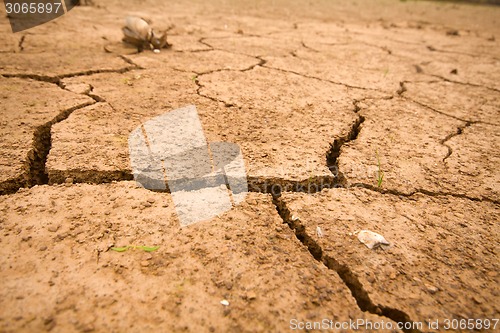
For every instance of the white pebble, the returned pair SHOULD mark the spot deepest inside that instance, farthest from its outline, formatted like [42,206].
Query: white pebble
[372,239]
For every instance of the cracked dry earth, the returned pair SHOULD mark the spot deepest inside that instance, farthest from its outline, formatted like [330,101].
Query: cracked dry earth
[317,97]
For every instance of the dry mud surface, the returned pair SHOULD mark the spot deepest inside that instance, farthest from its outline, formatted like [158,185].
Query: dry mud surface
[323,99]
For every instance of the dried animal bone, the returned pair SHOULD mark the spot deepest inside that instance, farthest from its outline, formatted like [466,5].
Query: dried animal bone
[139,33]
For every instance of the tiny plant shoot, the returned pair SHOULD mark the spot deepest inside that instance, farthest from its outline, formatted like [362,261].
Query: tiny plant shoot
[144,248]
[380,173]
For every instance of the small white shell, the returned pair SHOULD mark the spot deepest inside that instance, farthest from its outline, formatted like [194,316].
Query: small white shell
[295,218]
[224,302]
[156,51]
[319,232]
[372,239]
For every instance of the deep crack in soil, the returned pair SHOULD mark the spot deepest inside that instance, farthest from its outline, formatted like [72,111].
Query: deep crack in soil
[42,143]
[459,131]
[34,165]
[348,277]
[57,78]
[335,149]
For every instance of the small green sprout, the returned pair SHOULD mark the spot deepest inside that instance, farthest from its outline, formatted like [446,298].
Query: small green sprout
[133,247]
[380,173]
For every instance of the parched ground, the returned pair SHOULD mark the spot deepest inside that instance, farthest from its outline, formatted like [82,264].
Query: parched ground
[377,115]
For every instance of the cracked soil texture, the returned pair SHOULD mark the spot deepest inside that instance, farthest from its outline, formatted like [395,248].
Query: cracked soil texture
[379,115]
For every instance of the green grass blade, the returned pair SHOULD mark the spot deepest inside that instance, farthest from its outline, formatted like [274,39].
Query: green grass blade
[120,249]
[150,248]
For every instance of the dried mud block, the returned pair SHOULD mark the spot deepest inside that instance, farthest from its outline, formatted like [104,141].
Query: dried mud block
[254,45]
[243,271]
[473,163]
[187,43]
[196,62]
[433,39]
[482,71]
[238,25]
[146,93]
[352,64]
[411,142]
[28,110]
[91,146]
[10,42]
[442,262]
[457,100]
[316,32]
[59,64]
[285,129]
[41,39]
[466,59]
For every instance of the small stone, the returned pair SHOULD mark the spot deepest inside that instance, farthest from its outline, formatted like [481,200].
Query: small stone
[151,200]
[42,248]
[61,236]
[251,295]
[431,289]
[372,239]
[454,71]
[69,180]
[49,323]
[144,263]
[78,88]
[53,228]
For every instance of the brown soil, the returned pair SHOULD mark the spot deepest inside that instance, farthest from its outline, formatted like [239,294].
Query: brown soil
[323,99]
